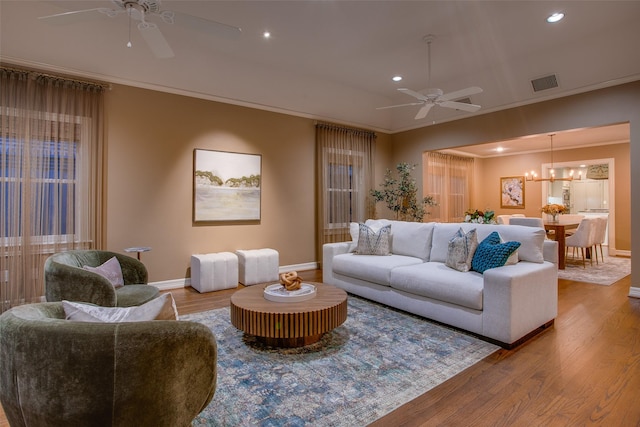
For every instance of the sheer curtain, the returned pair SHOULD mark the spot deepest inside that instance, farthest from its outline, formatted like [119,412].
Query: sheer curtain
[345,175]
[449,180]
[51,142]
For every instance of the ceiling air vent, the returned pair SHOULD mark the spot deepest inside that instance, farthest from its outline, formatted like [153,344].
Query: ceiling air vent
[544,83]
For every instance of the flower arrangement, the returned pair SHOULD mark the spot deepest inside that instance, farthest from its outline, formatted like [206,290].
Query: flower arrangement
[553,209]
[479,217]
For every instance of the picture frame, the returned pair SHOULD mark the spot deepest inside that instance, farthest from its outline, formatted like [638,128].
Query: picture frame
[512,192]
[226,186]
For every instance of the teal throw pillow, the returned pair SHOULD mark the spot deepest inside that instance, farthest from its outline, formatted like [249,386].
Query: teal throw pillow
[491,253]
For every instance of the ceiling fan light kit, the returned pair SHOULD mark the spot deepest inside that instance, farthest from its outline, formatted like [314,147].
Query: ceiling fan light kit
[140,10]
[430,97]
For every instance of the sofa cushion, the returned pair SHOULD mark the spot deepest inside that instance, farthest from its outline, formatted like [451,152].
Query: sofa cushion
[492,253]
[372,242]
[371,268]
[436,280]
[161,308]
[531,239]
[411,238]
[110,270]
[462,247]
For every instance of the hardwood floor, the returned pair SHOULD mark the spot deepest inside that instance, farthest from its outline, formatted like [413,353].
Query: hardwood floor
[585,370]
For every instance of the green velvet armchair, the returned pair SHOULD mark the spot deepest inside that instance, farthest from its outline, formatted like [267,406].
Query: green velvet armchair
[66,279]
[56,372]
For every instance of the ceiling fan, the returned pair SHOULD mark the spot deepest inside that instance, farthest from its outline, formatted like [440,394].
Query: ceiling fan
[140,10]
[427,98]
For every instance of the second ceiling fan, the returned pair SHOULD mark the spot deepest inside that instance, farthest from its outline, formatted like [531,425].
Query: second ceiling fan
[427,98]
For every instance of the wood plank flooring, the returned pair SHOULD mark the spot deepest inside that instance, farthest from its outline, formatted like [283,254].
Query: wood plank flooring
[585,370]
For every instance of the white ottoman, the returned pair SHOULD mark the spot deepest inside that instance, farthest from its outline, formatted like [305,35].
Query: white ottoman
[257,266]
[213,272]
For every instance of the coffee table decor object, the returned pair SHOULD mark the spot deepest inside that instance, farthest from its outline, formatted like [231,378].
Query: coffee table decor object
[278,293]
[290,281]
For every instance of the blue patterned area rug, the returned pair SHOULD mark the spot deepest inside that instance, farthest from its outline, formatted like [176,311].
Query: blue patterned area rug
[375,362]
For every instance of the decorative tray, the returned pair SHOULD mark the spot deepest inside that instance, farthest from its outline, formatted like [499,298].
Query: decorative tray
[278,293]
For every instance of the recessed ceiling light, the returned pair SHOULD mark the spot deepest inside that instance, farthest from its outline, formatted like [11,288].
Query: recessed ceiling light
[396,78]
[266,34]
[555,17]
[499,149]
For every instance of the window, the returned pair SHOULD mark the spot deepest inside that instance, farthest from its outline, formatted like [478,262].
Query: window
[343,191]
[448,179]
[345,177]
[53,193]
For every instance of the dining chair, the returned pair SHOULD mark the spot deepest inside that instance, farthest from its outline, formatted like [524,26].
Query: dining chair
[571,218]
[600,234]
[527,221]
[506,219]
[583,238]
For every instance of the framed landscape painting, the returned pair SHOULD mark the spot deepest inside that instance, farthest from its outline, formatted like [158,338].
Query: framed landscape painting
[226,186]
[512,192]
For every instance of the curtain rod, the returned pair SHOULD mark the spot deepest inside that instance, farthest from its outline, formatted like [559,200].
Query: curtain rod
[37,73]
[345,128]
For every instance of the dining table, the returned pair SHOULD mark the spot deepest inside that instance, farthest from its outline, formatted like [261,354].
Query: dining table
[559,229]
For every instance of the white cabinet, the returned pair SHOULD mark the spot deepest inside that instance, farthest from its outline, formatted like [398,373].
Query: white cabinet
[589,194]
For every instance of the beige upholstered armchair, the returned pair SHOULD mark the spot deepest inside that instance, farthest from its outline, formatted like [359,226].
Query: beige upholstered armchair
[65,278]
[57,372]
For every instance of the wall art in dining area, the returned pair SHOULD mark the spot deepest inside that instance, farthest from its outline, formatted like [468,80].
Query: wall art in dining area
[226,186]
[512,192]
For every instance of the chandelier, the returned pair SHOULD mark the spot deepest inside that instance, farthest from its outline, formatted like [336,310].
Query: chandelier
[533,176]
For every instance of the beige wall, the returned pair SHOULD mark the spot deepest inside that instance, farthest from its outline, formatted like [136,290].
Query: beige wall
[617,104]
[151,137]
[491,169]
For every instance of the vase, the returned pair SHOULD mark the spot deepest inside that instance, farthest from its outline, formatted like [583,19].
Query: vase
[554,217]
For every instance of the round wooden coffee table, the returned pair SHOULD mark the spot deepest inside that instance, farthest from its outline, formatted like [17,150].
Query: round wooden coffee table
[288,324]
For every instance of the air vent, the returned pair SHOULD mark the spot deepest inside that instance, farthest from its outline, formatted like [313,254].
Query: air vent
[544,83]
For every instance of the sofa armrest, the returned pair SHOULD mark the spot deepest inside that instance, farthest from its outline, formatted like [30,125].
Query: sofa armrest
[519,299]
[550,251]
[329,251]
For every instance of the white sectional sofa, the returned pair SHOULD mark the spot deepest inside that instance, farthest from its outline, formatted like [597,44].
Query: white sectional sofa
[505,305]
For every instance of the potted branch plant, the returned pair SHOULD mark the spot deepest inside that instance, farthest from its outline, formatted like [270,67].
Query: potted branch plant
[400,195]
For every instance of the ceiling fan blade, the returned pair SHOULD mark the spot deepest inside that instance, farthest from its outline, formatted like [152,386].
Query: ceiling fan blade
[459,106]
[413,93]
[156,41]
[463,93]
[215,28]
[76,16]
[400,105]
[422,113]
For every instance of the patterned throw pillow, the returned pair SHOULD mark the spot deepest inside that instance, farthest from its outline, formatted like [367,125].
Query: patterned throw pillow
[372,242]
[462,247]
[491,253]
[111,270]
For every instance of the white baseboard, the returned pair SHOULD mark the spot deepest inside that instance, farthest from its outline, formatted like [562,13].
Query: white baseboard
[634,292]
[183,283]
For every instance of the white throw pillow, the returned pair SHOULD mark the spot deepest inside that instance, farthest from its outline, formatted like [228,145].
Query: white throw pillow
[161,308]
[110,270]
[513,258]
[354,230]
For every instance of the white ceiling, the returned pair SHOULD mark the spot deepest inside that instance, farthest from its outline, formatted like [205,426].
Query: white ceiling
[333,60]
